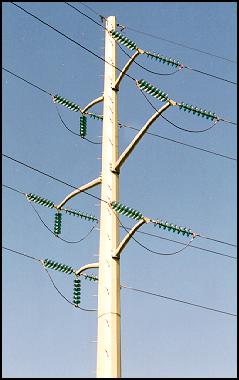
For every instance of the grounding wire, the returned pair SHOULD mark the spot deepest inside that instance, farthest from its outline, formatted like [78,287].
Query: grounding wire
[71,39]
[179,44]
[97,23]
[161,38]
[102,26]
[183,66]
[58,180]
[90,51]
[140,291]
[97,14]
[149,234]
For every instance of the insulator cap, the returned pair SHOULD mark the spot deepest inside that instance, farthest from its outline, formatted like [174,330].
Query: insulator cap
[83,126]
[123,40]
[67,103]
[40,200]
[127,211]
[152,90]
[163,59]
[57,266]
[57,224]
[197,111]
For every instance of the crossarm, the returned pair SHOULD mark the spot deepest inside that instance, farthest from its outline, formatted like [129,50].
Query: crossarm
[123,243]
[126,68]
[85,267]
[91,104]
[138,137]
[93,183]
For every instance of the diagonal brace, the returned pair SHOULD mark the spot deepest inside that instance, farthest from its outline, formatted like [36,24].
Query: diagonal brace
[123,243]
[91,104]
[126,68]
[93,183]
[138,137]
[85,267]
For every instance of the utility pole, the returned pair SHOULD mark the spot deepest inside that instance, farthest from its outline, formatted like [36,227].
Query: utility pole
[110,248]
[108,342]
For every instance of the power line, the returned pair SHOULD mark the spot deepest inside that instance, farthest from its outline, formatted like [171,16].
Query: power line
[69,38]
[140,291]
[152,72]
[145,68]
[34,85]
[87,6]
[34,258]
[191,246]
[184,66]
[74,133]
[74,187]
[72,6]
[66,241]
[22,254]
[149,234]
[62,295]
[189,130]
[181,143]
[180,44]
[164,39]
[178,300]
[12,188]
[218,241]
[149,133]
[50,176]
[90,51]
[156,252]
[210,75]
[176,126]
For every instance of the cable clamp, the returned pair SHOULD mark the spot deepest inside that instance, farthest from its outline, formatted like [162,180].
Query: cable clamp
[115,171]
[141,51]
[172,102]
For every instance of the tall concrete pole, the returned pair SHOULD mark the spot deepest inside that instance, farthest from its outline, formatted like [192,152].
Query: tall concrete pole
[108,342]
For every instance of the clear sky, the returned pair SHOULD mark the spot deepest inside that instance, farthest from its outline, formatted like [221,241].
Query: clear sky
[45,336]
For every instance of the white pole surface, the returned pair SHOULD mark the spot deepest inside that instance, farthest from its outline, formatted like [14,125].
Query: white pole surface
[108,342]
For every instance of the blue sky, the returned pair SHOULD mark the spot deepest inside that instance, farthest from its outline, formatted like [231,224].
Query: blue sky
[43,335]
